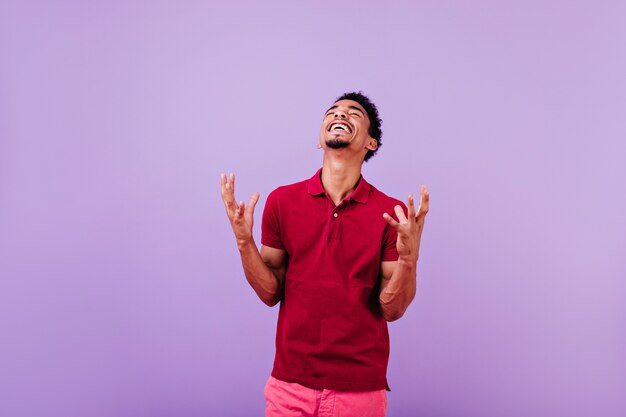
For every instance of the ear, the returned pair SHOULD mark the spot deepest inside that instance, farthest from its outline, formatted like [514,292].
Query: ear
[372,144]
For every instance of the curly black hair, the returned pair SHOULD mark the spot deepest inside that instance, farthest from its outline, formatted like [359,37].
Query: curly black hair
[372,113]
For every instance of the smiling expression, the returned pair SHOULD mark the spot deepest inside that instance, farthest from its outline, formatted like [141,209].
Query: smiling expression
[346,125]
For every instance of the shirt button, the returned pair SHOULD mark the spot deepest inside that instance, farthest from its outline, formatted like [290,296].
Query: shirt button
[335,215]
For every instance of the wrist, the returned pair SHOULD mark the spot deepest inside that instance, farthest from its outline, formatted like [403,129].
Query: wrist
[245,244]
[408,260]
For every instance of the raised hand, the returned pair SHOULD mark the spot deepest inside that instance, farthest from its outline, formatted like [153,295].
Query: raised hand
[410,227]
[241,216]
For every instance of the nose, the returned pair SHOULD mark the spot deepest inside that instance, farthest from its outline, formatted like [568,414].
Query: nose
[339,113]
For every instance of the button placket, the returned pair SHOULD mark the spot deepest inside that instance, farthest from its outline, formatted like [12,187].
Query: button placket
[335,223]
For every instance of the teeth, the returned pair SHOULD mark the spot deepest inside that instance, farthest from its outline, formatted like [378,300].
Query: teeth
[341,126]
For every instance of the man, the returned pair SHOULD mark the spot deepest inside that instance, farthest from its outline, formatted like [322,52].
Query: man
[339,264]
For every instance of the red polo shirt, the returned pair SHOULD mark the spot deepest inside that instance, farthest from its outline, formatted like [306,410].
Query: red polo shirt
[331,333]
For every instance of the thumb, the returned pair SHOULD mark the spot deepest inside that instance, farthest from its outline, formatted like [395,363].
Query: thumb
[252,203]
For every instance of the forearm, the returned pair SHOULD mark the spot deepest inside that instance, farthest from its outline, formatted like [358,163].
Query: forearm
[261,278]
[398,291]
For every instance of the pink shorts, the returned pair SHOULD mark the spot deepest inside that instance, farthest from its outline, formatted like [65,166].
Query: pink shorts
[286,399]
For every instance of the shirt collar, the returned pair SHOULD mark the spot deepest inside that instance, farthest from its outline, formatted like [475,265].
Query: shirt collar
[360,194]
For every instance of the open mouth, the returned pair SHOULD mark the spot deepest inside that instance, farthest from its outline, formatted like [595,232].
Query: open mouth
[340,127]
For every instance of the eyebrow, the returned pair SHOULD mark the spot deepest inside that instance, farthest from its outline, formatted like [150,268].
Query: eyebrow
[350,107]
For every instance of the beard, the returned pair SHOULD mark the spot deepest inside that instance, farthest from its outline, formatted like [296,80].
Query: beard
[337,143]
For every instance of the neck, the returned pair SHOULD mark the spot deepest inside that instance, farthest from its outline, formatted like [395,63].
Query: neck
[339,177]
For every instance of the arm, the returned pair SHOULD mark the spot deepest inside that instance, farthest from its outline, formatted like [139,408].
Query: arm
[397,288]
[398,279]
[265,270]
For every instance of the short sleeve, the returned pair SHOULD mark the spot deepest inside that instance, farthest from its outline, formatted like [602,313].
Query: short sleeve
[270,225]
[390,237]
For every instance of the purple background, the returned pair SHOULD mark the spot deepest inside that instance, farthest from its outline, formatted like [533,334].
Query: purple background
[121,291]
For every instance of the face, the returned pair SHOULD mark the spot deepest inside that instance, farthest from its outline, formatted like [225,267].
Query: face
[346,125]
